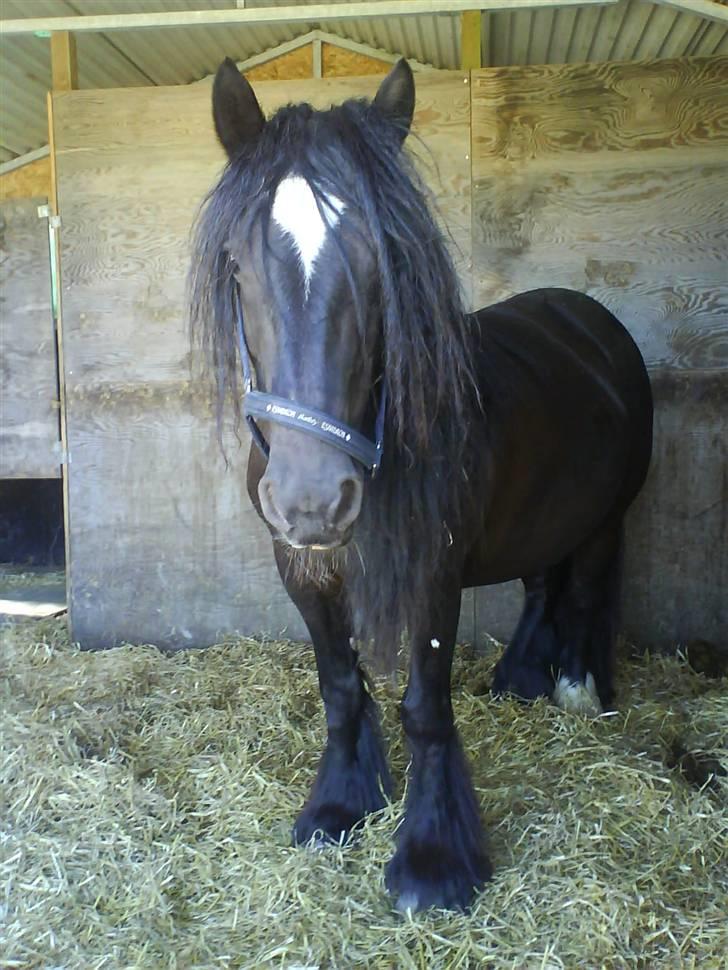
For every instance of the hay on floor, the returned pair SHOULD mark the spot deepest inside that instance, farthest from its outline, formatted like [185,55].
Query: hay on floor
[146,804]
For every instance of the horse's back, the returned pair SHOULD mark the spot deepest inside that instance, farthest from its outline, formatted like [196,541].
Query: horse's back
[549,317]
[568,429]
[551,335]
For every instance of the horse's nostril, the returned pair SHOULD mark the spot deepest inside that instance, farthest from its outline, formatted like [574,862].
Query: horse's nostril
[349,503]
[270,508]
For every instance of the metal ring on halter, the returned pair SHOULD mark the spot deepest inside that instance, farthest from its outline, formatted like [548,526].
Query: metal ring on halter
[283,411]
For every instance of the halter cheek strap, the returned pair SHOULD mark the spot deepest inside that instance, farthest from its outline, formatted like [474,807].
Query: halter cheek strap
[283,411]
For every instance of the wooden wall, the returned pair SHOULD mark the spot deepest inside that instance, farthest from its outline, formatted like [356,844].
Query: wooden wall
[613,179]
[608,178]
[29,418]
[163,543]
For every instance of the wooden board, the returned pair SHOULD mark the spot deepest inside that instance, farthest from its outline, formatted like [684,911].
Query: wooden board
[613,179]
[29,429]
[340,62]
[27,182]
[294,64]
[165,545]
[676,569]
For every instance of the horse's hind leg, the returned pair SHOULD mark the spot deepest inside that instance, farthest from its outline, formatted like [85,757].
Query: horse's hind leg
[526,668]
[586,622]
[353,778]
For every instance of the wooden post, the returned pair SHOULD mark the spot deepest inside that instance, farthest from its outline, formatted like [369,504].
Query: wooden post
[64,68]
[64,74]
[470,30]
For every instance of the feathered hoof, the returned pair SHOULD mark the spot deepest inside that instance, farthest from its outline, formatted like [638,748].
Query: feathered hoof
[523,683]
[423,876]
[577,698]
[322,825]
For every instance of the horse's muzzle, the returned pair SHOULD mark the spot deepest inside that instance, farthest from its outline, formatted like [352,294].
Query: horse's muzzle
[315,509]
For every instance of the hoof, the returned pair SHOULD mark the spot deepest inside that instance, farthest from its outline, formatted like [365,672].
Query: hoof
[577,698]
[323,825]
[525,684]
[346,789]
[424,876]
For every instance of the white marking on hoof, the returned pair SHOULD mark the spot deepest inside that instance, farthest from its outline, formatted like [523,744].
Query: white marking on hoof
[577,698]
[296,211]
[321,843]
[407,901]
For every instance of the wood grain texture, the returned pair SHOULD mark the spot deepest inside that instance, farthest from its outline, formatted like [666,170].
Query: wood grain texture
[339,62]
[526,114]
[294,64]
[165,546]
[613,179]
[64,64]
[30,181]
[29,430]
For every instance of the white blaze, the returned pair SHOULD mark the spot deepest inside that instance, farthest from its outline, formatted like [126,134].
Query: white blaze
[296,212]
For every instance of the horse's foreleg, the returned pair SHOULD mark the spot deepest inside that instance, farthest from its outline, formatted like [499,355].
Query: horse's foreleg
[440,859]
[352,778]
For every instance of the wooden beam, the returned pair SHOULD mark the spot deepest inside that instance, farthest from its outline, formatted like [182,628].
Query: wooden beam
[486,27]
[272,15]
[25,159]
[64,69]
[709,9]
[470,32]
[55,256]
[317,60]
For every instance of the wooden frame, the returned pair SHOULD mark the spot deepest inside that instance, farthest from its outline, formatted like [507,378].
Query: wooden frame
[25,159]
[317,38]
[271,15]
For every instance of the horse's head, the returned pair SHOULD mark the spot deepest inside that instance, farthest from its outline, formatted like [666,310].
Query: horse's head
[307,271]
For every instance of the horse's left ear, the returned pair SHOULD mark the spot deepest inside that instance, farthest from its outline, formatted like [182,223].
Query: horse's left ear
[396,96]
[235,109]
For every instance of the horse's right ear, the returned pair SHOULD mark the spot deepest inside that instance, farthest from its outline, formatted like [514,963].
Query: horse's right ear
[235,109]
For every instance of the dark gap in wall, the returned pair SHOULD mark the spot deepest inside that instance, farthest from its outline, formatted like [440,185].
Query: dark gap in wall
[31,522]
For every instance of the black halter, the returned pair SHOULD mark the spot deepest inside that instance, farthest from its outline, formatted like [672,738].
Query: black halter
[269,407]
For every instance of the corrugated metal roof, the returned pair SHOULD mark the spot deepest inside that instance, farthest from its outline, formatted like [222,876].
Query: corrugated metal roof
[625,31]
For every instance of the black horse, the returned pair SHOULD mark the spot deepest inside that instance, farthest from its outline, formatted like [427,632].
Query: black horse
[405,449]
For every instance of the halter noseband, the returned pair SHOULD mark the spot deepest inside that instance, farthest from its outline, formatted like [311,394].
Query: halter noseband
[281,410]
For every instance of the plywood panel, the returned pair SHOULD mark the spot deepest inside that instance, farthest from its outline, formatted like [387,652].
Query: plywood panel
[339,62]
[27,182]
[295,64]
[676,570]
[29,430]
[613,179]
[166,547]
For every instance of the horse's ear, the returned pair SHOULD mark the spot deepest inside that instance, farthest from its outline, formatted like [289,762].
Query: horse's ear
[396,96]
[235,109]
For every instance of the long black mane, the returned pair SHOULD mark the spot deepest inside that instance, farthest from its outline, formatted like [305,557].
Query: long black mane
[412,509]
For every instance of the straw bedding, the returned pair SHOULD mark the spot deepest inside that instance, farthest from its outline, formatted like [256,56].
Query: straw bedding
[146,805]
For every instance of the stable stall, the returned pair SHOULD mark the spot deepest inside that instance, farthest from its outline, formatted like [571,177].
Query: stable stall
[610,177]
